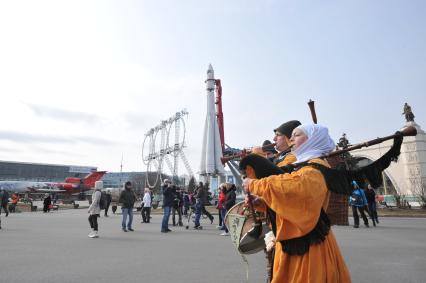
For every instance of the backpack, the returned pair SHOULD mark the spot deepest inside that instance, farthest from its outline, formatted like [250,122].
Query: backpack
[103,201]
[357,200]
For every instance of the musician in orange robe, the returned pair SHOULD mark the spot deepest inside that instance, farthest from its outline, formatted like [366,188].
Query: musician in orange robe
[282,144]
[306,249]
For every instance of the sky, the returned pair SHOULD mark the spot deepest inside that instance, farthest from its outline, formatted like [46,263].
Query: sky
[81,82]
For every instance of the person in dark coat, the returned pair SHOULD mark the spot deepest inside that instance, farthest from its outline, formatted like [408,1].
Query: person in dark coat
[47,202]
[4,201]
[177,206]
[186,203]
[204,194]
[370,194]
[127,200]
[108,201]
[168,197]
[200,201]
[269,152]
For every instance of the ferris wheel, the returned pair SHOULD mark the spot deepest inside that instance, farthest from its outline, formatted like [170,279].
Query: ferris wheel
[162,143]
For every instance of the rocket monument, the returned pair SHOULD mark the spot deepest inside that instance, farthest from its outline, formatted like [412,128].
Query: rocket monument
[211,153]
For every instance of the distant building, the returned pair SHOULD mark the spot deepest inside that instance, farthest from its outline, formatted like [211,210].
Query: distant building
[138,179]
[25,171]
[117,179]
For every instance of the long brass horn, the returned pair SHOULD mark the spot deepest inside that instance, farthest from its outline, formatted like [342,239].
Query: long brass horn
[243,153]
[407,132]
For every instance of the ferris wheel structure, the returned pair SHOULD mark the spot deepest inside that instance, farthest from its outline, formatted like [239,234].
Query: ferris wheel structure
[162,148]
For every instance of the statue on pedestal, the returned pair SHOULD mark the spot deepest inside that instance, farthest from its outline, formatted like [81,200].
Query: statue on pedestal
[343,141]
[409,116]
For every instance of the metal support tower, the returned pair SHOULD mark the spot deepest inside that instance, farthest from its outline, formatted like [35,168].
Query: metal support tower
[157,150]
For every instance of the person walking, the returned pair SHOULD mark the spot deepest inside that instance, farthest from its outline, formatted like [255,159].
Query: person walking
[358,202]
[146,209]
[127,200]
[222,210]
[230,197]
[95,209]
[186,203]
[4,198]
[198,210]
[108,201]
[370,194]
[4,201]
[177,206]
[47,202]
[202,197]
[168,197]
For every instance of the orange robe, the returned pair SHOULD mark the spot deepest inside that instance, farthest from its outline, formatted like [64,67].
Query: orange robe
[297,199]
[288,159]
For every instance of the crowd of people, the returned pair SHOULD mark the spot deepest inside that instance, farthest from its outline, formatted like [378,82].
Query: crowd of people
[180,203]
[177,203]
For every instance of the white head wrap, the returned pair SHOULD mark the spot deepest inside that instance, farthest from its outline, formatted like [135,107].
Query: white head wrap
[319,143]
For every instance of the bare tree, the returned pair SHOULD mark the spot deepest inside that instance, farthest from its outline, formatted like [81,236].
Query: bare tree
[420,192]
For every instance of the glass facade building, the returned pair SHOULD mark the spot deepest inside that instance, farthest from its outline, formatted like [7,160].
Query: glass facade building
[22,171]
[117,180]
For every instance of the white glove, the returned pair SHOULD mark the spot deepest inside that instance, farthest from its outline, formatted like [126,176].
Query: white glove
[269,241]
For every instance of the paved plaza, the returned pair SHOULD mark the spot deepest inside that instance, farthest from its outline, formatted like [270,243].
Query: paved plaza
[54,247]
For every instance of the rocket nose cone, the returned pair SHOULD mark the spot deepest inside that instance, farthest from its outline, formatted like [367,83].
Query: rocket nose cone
[210,72]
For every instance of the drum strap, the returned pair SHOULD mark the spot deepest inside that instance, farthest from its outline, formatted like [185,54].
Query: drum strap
[273,220]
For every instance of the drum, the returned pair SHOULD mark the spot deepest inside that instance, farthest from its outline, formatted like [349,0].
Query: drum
[241,225]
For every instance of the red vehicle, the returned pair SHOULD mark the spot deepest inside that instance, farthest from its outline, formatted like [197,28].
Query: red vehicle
[71,185]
